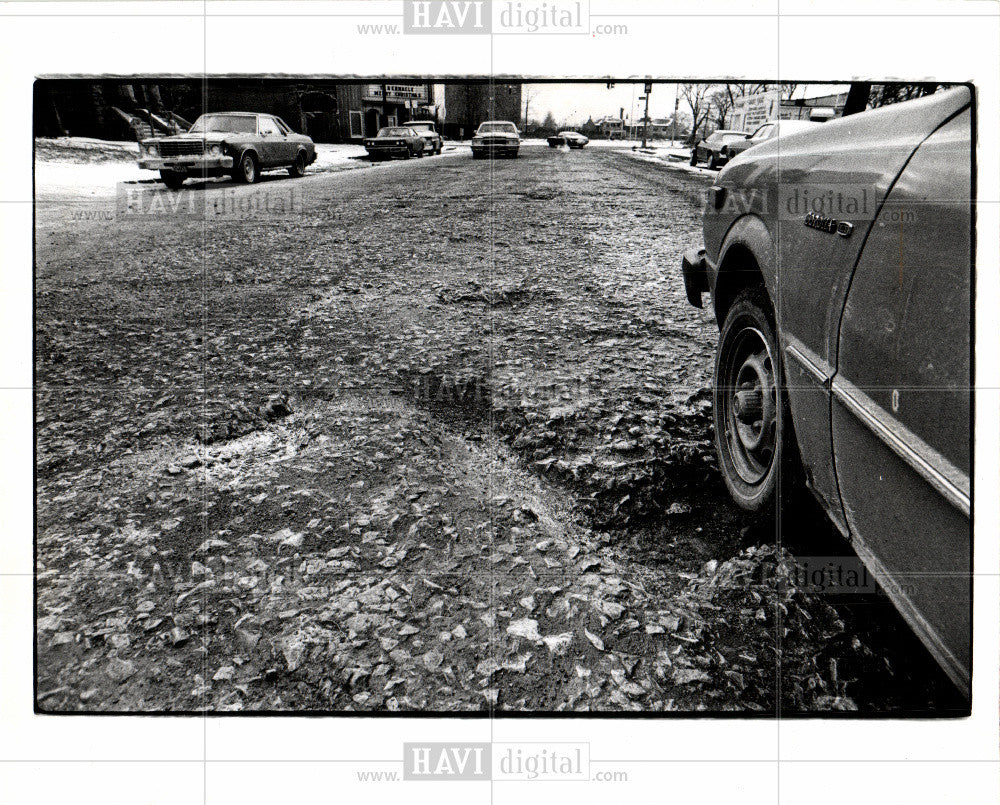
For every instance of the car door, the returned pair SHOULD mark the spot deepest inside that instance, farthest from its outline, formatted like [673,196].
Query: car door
[291,141]
[831,184]
[272,142]
[901,415]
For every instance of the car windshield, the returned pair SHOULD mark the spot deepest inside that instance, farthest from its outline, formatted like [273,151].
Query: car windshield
[423,126]
[241,124]
[394,131]
[568,134]
[497,128]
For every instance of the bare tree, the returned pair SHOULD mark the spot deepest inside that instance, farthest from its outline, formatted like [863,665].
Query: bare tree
[884,94]
[529,96]
[699,102]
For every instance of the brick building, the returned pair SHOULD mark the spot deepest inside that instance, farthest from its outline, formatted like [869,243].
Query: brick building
[468,105]
[123,109]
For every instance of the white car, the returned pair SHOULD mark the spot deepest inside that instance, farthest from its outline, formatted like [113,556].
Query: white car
[496,137]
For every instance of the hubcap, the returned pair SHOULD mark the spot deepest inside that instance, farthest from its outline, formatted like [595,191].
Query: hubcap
[750,399]
[248,170]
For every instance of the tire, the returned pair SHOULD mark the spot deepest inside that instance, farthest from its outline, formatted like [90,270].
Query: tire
[298,168]
[754,438]
[246,171]
[172,179]
[713,163]
[694,158]
[476,155]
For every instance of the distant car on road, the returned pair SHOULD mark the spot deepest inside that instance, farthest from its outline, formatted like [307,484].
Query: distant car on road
[396,141]
[241,144]
[573,139]
[497,138]
[710,150]
[839,264]
[427,130]
[765,132]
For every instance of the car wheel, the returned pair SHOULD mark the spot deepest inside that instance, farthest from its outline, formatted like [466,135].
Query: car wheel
[298,168]
[172,179]
[753,428]
[246,171]
[713,162]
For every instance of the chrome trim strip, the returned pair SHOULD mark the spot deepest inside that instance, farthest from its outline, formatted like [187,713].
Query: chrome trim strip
[808,364]
[934,468]
[928,635]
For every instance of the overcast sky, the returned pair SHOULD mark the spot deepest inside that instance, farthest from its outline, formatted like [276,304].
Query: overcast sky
[572,104]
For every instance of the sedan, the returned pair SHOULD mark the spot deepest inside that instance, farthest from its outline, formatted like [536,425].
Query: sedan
[496,138]
[844,357]
[426,129]
[710,150]
[240,144]
[768,131]
[572,139]
[395,141]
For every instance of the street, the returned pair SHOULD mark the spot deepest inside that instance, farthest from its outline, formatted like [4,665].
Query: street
[437,436]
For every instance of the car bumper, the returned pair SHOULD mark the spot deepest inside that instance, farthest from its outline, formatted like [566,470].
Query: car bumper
[186,164]
[387,149]
[694,268]
[496,148]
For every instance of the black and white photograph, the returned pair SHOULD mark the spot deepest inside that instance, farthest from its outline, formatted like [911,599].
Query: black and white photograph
[450,397]
[387,409]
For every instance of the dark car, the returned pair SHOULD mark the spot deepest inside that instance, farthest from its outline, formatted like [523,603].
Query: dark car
[426,129]
[765,132]
[241,144]
[855,379]
[571,139]
[395,141]
[496,138]
[712,149]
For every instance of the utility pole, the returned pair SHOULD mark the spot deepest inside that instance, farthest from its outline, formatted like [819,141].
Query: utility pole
[645,116]
[673,136]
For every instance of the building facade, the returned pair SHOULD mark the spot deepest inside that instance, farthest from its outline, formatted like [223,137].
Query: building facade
[468,105]
[325,109]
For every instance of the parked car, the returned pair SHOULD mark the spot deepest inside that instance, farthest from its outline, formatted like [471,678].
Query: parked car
[573,139]
[497,138]
[765,132]
[395,141]
[844,349]
[242,144]
[432,140]
[710,150]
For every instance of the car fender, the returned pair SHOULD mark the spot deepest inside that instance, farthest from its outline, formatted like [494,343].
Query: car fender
[241,150]
[747,242]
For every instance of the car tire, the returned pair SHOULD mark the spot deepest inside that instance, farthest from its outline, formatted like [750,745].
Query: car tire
[713,162]
[754,437]
[694,158]
[247,170]
[298,168]
[172,179]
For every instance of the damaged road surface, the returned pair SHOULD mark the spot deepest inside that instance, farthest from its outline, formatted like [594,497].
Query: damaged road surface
[437,440]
